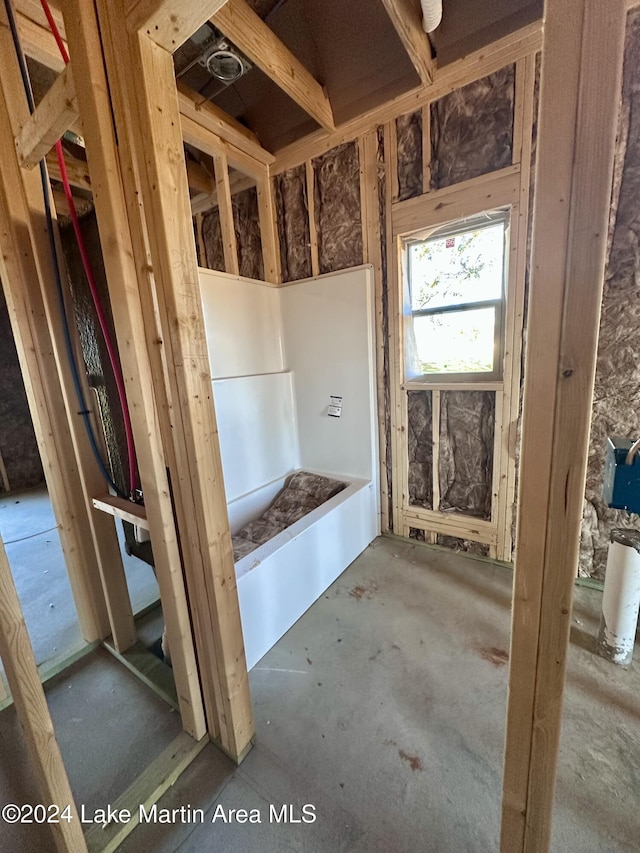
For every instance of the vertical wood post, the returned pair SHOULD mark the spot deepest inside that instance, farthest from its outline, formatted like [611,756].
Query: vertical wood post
[31,706]
[580,93]
[148,124]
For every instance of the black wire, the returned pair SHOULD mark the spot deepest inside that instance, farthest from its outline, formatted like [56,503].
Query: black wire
[54,254]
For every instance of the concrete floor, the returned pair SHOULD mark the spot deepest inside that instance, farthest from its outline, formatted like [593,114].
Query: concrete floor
[28,528]
[384,708]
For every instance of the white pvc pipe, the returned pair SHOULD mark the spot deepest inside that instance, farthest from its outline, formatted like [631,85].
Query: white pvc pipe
[620,603]
[431,14]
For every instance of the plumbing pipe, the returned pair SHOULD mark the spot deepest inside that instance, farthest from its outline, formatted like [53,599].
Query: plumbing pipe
[431,14]
[621,598]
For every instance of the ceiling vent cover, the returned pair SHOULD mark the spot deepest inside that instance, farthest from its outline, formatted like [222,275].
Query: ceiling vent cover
[225,62]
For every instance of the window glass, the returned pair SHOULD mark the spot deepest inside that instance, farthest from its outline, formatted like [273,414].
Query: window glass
[456,341]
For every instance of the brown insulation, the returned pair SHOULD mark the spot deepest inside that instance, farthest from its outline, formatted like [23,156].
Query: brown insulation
[99,372]
[466,451]
[418,535]
[478,549]
[420,447]
[382,212]
[246,222]
[337,203]
[409,136]
[96,361]
[472,129]
[616,408]
[212,239]
[17,438]
[293,223]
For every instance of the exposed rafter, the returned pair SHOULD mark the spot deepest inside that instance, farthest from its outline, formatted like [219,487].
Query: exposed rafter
[237,20]
[406,17]
[170,23]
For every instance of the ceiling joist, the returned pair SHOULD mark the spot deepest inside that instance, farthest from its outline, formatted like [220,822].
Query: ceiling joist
[406,17]
[169,23]
[237,20]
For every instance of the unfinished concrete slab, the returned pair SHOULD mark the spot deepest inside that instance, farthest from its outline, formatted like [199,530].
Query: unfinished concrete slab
[384,708]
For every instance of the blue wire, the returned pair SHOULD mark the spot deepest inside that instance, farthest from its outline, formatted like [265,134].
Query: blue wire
[54,254]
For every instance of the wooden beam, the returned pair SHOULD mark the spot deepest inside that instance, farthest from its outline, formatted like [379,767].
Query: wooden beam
[198,178]
[148,126]
[28,696]
[225,207]
[211,117]
[474,66]
[169,23]
[152,783]
[372,240]
[77,170]
[53,116]
[3,475]
[237,20]
[196,133]
[406,17]
[120,508]
[311,207]
[495,189]
[127,267]
[269,231]
[580,94]
[38,42]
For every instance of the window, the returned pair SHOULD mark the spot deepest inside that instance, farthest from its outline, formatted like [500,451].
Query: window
[455,300]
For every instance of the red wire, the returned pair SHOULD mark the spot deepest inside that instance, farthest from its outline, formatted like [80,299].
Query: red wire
[86,263]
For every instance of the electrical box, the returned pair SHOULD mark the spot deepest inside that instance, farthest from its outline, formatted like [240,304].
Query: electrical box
[621,481]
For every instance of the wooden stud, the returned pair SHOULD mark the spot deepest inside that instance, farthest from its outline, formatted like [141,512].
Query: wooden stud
[198,178]
[28,696]
[169,23]
[406,17]
[120,508]
[127,271]
[269,231]
[237,20]
[435,447]
[396,370]
[225,207]
[370,211]
[426,148]
[311,208]
[53,116]
[3,475]
[517,283]
[148,124]
[580,93]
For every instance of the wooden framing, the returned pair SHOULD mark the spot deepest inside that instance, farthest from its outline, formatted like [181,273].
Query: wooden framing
[406,17]
[225,207]
[148,127]
[269,231]
[311,209]
[89,543]
[581,79]
[477,64]
[53,116]
[237,20]
[31,705]
[128,310]
[169,23]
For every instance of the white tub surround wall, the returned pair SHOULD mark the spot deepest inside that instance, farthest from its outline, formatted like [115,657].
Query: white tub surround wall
[277,356]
